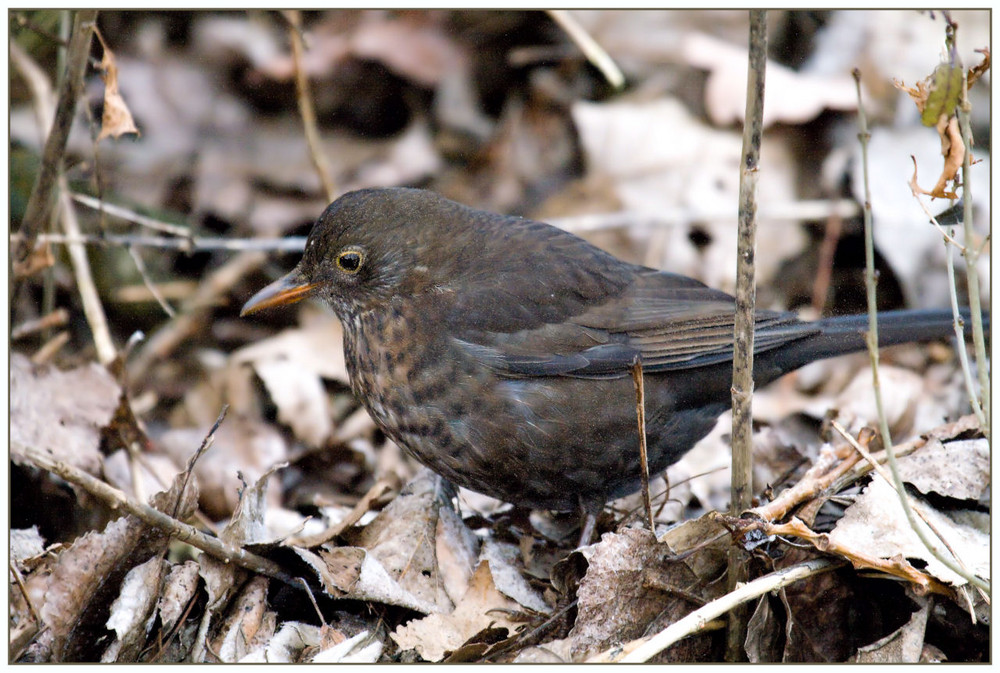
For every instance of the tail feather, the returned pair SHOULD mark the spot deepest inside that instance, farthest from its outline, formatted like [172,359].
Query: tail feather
[846,334]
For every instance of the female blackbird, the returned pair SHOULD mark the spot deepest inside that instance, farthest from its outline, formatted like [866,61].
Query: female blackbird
[496,350]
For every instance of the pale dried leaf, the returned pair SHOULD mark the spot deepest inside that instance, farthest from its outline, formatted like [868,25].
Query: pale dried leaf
[47,412]
[132,611]
[876,524]
[402,538]
[437,634]
[179,588]
[792,97]
[243,621]
[26,543]
[116,118]
[959,469]
[509,581]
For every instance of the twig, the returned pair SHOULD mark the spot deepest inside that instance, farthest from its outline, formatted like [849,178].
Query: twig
[130,215]
[969,577]
[961,350]
[645,649]
[153,517]
[640,414]
[294,18]
[972,256]
[89,296]
[743,326]
[172,333]
[40,199]
[206,444]
[57,318]
[816,480]
[50,348]
[872,339]
[287,244]
[827,251]
[377,490]
[594,52]
[150,285]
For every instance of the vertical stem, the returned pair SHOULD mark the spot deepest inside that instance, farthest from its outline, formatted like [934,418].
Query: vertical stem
[743,336]
[40,201]
[640,414]
[306,105]
[971,253]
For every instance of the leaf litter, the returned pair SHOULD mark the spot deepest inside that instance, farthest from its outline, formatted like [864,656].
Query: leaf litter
[380,561]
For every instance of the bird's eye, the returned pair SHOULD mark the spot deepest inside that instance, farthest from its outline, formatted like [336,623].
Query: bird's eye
[349,261]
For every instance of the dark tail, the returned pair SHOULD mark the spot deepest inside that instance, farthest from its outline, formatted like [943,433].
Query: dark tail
[846,334]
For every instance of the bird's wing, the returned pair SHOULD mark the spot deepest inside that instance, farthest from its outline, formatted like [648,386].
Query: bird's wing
[669,322]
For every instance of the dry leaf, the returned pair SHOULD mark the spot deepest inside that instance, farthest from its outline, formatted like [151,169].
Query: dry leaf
[875,525]
[132,609]
[481,606]
[48,413]
[116,118]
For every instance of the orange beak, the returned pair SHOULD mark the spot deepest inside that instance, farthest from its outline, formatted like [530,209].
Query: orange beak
[288,289]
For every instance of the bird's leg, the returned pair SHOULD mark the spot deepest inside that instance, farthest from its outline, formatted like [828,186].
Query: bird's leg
[587,529]
[590,509]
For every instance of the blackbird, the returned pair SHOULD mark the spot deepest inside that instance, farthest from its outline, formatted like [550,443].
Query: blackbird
[496,350]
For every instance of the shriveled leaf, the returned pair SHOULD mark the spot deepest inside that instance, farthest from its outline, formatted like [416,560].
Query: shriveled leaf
[403,538]
[116,119]
[943,92]
[132,611]
[244,621]
[179,588]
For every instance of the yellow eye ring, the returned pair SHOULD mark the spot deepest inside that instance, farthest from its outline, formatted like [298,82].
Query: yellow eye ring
[349,261]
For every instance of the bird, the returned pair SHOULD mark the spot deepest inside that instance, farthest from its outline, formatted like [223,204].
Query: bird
[497,350]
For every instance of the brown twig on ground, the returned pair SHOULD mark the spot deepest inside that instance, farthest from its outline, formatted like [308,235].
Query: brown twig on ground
[743,326]
[153,517]
[816,480]
[294,18]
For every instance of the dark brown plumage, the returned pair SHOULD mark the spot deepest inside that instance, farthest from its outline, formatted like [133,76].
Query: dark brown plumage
[496,350]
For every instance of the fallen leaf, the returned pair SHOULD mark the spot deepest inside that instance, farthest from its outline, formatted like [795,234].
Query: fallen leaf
[481,606]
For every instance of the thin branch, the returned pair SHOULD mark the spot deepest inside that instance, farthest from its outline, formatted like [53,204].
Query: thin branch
[640,414]
[150,285]
[743,326]
[972,257]
[196,244]
[130,215]
[594,52]
[89,295]
[39,203]
[294,18]
[644,649]
[872,338]
[153,517]
[57,318]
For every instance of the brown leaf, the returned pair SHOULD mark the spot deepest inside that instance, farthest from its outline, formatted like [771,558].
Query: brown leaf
[116,119]
[49,413]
